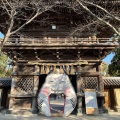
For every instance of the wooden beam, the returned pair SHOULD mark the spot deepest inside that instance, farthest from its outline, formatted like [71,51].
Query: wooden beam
[89,74]
[54,64]
[57,62]
[64,47]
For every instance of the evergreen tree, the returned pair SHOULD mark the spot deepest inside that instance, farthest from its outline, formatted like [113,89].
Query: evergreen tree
[5,70]
[104,69]
[114,67]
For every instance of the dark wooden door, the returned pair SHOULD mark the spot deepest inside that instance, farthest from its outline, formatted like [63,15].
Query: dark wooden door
[7,98]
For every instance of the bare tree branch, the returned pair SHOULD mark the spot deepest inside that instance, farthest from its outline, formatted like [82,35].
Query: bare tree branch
[18,14]
[95,5]
[6,8]
[12,16]
[100,19]
[81,27]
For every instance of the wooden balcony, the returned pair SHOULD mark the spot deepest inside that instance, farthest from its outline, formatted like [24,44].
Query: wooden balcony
[62,50]
[60,42]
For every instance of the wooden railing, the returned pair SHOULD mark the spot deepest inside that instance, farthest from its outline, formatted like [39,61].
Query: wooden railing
[58,41]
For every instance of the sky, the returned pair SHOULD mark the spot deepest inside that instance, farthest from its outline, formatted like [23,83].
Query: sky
[107,59]
[1,35]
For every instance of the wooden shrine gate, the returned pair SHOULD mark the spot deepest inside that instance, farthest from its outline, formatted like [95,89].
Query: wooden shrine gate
[27,81]
[53,39]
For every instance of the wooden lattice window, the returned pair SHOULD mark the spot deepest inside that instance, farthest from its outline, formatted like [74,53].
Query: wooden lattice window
[88,83]
[25,84]
[91,83]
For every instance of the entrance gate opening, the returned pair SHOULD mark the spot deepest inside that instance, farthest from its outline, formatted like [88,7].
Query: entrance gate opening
[57,102]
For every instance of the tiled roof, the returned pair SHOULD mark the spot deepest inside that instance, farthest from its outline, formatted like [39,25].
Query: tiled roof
[5,81]
[111,81]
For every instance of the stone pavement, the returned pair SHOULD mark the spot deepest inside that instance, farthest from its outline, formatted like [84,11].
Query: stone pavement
[109,116]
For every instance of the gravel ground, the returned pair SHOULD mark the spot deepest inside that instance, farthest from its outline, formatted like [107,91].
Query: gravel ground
[109,116]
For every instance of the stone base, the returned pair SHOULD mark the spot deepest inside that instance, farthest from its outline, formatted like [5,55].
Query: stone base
[100,111]
[79,114]
[105,110]
[8,111]
[19,112]
[117,108]
[34,111]
[1,108]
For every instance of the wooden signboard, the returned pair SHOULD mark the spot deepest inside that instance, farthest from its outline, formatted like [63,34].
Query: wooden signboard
[91,101]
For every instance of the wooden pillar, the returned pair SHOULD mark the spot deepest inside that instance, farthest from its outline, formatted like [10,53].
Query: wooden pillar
[101,84]
[36,84]
[1,91]
[13,87]
[13,91]
[117,98]
[100,79]
[101,90]
[79,97]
